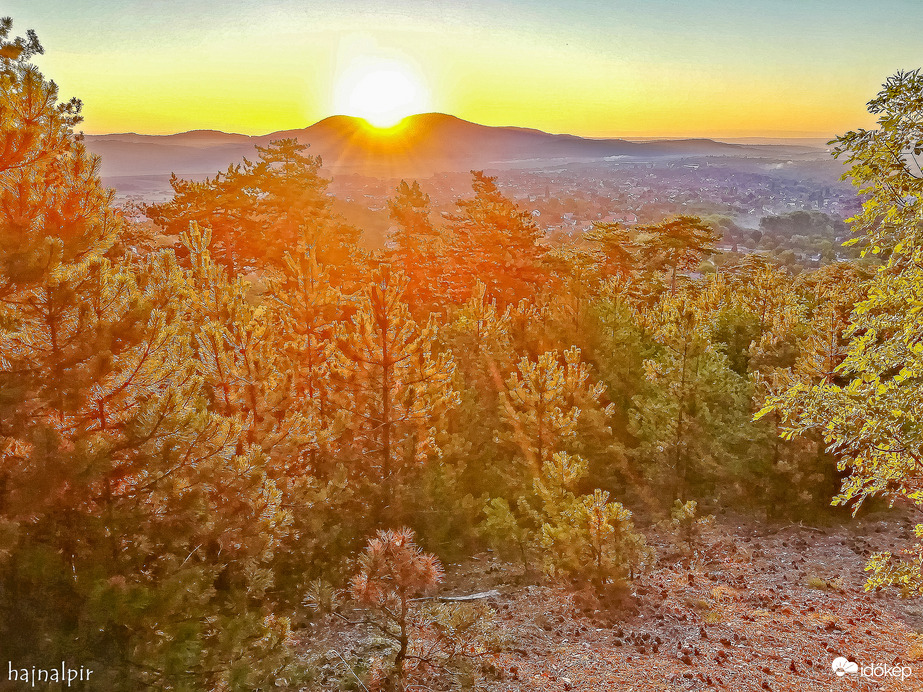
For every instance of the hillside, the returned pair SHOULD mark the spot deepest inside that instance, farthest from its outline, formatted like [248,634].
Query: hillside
[420,145]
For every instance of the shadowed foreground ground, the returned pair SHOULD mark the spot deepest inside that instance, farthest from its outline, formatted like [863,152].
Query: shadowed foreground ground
[762,609]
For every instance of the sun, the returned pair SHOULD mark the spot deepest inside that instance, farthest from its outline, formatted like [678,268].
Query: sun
[381,92]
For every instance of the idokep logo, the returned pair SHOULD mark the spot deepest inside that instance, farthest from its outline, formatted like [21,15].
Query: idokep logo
[843,666]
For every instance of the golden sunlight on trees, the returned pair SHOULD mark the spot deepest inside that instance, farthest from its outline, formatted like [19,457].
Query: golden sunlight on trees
[866,401]
[392,388]
[129,508]
[493,241]
[417,247]
[236,347]
[694,414]
[307,309]
[259,209]
[617,247]
[196,441]
[543,402]
[36,128]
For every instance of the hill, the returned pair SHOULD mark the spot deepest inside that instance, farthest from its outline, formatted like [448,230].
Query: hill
[419,146]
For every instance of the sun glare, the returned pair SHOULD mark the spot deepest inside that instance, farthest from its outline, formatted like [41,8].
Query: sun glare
[382,93]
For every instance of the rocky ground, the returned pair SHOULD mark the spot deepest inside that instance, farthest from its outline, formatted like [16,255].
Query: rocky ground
[758,608]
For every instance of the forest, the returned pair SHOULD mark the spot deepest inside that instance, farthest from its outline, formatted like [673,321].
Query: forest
[224,423]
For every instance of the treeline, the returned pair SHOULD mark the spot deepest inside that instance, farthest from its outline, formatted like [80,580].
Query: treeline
[797,240]
[189,438]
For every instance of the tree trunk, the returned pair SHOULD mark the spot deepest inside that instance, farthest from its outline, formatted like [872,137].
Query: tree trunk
[386,491]
[403,641]
[679,459]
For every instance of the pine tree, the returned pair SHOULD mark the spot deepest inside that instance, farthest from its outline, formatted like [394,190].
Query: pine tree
[774,310]
[595,541]
[543,402]
[676,244]
[416,248]
[618,347]
[236,348]
[392,388]
[577,279]
[491,240]
[478,338]
[305,312]
[531,327]
[804,343]
[543,406]
[393,570]
[695,413]
[258,210]
[35,127]
[482,329]
[616,248]
[583,537]
[126,510]
[543,520]
[761,331]
[220,205]
[308,310]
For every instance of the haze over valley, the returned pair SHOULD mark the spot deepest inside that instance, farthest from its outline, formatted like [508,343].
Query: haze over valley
[567,182]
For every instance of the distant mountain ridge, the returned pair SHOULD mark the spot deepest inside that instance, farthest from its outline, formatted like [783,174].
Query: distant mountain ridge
[420,145]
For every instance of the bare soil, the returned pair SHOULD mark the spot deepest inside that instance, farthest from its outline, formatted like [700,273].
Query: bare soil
[757,608]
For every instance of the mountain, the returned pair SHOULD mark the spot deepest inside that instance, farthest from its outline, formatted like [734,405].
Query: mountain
[419,146]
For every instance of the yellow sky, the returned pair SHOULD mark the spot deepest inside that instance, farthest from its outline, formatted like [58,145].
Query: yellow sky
[655,68]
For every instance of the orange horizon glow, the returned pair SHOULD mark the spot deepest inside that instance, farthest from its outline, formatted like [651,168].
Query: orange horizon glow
[661,71]
[389,126]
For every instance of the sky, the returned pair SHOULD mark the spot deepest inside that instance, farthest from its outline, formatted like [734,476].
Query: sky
[710,68]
